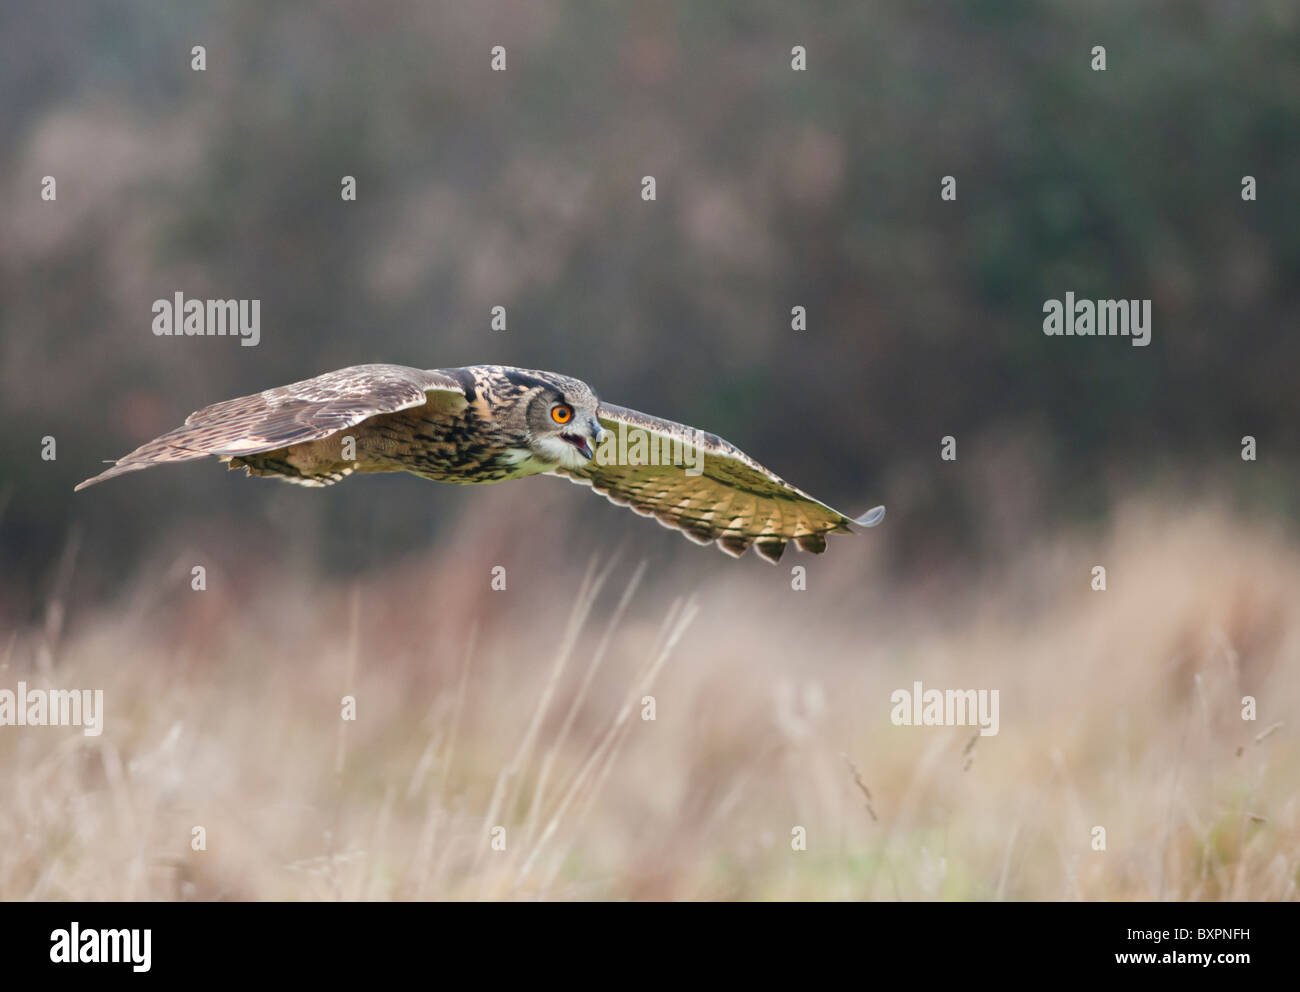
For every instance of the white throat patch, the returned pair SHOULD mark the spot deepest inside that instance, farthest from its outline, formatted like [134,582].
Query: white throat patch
[555,451]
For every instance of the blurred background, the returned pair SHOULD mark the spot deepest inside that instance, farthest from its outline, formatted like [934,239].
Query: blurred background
[775,189]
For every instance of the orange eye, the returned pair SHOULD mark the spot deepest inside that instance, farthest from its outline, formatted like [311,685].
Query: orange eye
[562,413]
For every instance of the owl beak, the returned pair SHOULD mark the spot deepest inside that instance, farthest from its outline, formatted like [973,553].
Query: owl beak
[588,443]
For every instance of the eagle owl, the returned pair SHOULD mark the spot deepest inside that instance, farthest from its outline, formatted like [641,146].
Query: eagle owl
[489,423]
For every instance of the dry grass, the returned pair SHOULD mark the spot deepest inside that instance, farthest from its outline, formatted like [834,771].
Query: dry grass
[479,709]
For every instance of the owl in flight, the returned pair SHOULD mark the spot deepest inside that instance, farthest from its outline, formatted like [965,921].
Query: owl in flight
[488,423]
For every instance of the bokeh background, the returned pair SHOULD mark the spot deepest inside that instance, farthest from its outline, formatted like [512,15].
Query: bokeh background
[775,189]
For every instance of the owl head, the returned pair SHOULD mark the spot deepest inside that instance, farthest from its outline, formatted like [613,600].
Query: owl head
[556,416]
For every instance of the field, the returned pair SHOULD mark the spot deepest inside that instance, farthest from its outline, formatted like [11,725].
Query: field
[522,709]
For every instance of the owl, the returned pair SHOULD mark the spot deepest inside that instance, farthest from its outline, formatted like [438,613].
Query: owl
[491,423]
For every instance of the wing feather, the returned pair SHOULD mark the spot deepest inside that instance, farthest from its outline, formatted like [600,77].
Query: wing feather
[301,411]
[733,500]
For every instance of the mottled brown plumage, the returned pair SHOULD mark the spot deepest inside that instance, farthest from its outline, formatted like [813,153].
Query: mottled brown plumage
[488,423]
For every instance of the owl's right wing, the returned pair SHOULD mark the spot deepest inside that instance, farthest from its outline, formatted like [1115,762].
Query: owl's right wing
[712,492]
[301,411]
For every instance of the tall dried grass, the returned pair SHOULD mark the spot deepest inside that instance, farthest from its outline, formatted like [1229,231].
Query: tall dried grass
[523,710]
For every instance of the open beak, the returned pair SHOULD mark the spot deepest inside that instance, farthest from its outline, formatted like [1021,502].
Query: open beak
[598,434]
[587,445]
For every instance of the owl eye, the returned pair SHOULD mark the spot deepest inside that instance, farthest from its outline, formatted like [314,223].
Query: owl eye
[562,413]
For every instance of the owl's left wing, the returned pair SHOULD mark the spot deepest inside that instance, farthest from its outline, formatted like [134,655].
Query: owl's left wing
[708,489]
[309,410]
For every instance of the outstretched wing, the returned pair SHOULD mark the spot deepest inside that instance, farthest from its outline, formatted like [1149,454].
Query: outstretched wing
[708,489]
[301,411]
